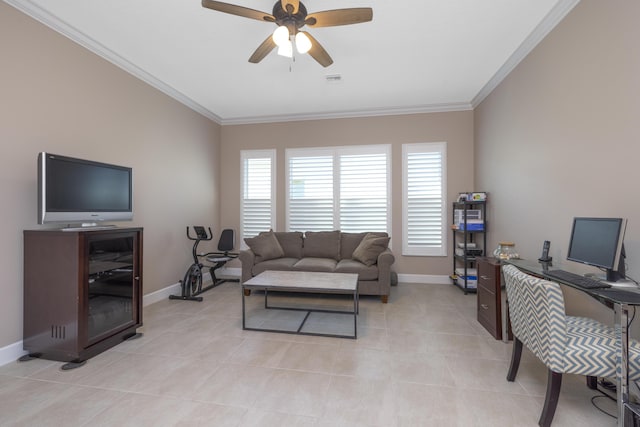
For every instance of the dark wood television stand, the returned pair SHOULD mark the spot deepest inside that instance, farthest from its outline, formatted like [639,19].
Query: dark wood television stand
[82,292]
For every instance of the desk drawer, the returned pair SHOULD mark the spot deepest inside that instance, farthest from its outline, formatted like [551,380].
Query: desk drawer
[487,310]
[486,277]
[489,296]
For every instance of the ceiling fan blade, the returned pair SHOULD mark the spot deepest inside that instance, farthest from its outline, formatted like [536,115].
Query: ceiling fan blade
[238,10]
[333,18]
[293,3]
[263,50]
[317,52]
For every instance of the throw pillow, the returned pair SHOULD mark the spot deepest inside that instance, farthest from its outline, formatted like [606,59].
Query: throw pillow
[265,247]
[368,250]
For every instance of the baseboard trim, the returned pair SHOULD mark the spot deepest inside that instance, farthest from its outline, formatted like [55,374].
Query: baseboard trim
[161,294]
[427,279]
[11,353]
[229,271]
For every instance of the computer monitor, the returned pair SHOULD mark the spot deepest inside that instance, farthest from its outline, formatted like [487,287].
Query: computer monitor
[599,242]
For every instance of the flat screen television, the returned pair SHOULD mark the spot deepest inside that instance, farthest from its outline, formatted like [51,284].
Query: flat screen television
[599,242]
[76,191]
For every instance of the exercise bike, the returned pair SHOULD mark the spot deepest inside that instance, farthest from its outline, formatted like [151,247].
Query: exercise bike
[191,284]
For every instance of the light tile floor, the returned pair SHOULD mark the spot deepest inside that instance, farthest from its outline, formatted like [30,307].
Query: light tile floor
[420,360]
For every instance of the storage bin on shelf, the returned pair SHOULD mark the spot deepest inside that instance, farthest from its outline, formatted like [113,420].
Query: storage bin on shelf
[472,277]
[474,220]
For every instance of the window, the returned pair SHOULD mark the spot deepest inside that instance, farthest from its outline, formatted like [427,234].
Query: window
[258,199]
[423,204]
[339,188]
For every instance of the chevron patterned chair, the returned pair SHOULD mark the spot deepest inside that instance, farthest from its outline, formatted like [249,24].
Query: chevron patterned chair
[565,344]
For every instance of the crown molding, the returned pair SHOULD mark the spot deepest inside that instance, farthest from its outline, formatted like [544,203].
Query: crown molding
[434,108]
[553,18]
[36,12]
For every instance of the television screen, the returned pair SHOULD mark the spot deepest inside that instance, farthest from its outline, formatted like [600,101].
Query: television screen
[75,190]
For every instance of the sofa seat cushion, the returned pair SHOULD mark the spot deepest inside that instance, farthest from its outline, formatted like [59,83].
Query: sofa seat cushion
[316,264]
[356,267]
[279,264]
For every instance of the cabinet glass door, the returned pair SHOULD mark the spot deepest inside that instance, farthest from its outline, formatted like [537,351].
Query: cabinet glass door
[110,285]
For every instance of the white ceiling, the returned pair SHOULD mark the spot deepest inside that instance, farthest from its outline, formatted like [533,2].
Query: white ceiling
[415,56]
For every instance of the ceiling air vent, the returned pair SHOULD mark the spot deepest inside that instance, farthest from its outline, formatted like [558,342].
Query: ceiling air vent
[333,78]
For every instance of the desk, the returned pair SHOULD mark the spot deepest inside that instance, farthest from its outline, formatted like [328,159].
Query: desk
[622,301]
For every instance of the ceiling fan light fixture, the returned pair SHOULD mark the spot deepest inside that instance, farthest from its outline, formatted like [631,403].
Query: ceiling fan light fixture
[303,44]
[286,49]
[290,16]
[281,36]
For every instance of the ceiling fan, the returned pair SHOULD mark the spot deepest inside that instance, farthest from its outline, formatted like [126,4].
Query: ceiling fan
[290,16]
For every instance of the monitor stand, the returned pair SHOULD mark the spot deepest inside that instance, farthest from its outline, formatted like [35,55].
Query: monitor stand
[622,284]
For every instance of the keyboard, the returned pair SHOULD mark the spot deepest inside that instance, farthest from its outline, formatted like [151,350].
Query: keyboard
[576,279]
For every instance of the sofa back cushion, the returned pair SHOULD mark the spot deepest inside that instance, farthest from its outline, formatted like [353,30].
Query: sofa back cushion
[322,244]
[372,245]
[348,243]
[265,246]
[291,243]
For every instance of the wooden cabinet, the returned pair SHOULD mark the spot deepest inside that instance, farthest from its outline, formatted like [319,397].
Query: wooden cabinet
[82,291]
[490,298]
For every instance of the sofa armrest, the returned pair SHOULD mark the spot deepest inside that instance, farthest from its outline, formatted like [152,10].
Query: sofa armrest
[248,259]
[385,261]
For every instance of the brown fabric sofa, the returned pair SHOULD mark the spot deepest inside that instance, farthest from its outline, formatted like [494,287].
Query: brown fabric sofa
[365,254]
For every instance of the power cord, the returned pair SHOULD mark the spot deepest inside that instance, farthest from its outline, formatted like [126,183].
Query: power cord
[609,387]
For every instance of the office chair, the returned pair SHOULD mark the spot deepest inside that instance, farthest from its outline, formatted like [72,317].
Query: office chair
[224,255]
[565,344]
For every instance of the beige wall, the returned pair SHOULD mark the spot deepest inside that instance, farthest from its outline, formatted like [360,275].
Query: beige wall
[56,96]
[455,128]
[560,137]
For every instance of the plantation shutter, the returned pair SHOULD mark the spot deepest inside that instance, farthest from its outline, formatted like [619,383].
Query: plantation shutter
[339,188]
[424,192]
[311,193]
[363,192]
[258,192]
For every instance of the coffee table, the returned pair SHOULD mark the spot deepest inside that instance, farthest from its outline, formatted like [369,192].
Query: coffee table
[304,282]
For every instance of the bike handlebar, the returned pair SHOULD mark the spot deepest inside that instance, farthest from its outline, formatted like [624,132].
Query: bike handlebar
[201,233]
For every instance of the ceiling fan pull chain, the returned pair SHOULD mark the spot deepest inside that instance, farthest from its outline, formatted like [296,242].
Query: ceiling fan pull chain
[293,61]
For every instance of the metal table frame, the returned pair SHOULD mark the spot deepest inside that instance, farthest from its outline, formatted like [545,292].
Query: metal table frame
[258,284]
